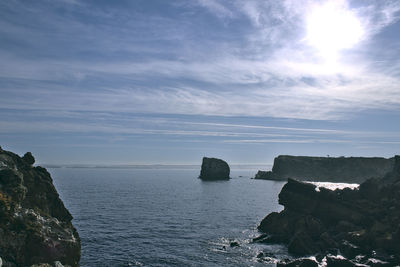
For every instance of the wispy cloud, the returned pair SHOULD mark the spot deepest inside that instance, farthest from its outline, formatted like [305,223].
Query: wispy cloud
[216,8]
[291,97]
[306,141]
[115,127]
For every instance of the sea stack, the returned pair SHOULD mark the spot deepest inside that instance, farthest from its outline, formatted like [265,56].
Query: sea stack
[35,226]
[213,169]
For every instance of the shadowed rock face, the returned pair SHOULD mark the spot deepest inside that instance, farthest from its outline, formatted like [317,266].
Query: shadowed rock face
[327,169]
[214,169]
[365,221]
[35,226]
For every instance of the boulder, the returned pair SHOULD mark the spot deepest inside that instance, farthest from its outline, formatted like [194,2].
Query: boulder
[234,244]
[35,226]
[214,169]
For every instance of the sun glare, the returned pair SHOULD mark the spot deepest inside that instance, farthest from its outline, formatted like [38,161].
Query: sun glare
[332,27]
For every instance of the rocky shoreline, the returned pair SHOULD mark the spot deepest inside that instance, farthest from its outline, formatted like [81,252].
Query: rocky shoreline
[347,227]
[35,226]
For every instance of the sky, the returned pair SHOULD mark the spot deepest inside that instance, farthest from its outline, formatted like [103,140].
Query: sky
[168,82]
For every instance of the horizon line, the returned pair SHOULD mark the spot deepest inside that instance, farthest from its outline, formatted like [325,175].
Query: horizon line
[146,165]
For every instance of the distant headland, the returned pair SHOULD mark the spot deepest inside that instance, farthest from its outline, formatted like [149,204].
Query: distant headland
[327,169]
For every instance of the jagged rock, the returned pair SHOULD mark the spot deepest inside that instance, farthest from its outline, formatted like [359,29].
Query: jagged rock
[35,227]
[214,169]
[327,169]
[28,158]
[360,221]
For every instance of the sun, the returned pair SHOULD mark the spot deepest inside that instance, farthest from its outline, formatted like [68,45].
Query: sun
[333,27]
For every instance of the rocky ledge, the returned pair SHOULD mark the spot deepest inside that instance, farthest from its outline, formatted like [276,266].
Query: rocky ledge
[35,226]
[327,169]
[361,225]
[214,169]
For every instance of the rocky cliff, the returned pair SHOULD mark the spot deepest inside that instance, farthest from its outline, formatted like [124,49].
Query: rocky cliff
[35,227]
[362,224]
[214,169]
[327,169]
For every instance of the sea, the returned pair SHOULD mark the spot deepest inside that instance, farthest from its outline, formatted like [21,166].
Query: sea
[167,216]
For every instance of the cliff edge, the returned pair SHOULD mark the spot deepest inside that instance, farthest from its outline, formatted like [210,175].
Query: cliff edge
[327,169]
[35,226]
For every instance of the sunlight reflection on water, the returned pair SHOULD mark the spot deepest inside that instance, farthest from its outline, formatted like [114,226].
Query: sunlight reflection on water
[333,186]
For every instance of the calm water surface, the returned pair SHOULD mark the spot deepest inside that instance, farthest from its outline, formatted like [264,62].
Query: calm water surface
[132,217]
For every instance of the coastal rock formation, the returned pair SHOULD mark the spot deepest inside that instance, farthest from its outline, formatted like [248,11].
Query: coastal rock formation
[360,224]
[327,169]
[35,227]
[214,169]
[265,175]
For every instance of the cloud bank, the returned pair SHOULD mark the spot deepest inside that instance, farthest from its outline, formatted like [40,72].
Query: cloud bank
[258,64]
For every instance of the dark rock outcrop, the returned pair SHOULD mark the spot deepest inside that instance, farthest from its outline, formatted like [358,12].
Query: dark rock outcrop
[28,158]
[327,169]
[298,263]
[364,221]
[35,227]
[214,169]
[265,175]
